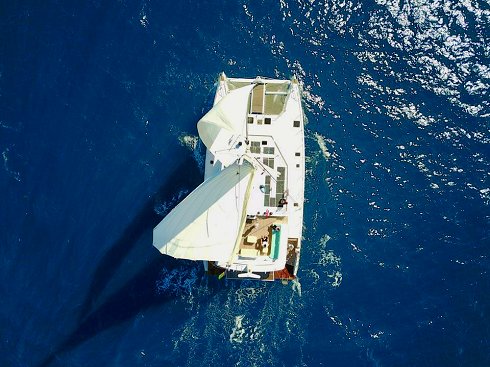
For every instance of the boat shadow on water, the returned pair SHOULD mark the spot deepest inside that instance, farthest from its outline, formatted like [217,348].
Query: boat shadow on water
[111,301]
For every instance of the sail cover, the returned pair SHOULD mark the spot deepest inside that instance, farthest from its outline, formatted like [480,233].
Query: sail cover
[205,225]
[222,129]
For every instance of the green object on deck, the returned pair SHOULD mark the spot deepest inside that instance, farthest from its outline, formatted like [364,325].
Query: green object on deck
[221,275]
[276,237]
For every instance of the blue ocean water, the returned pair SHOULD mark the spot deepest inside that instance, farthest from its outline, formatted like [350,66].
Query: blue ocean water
[98,106]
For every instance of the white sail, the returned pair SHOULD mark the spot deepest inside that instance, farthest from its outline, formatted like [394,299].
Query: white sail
[222,129]
[206,224]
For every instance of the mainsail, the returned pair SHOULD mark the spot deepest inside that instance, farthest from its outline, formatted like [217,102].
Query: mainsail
[222,129]
[207,223]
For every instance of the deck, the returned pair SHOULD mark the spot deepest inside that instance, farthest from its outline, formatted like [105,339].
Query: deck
[257,229]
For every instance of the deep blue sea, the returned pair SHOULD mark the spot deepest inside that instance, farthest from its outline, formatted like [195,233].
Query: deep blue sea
[98,109]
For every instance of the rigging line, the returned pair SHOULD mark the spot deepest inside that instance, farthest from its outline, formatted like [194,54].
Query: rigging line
[237,197]
[265,168]
[224,150]
[230,148]
[237,207]
[242,219]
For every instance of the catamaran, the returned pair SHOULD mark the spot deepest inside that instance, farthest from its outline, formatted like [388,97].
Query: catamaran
[246,219]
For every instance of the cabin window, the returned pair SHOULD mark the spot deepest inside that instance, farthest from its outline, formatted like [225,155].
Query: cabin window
[250,120]
[281,179]
[255,147]
[267,186]
[280,188]
[268,150]
[267,190]
[269,162]
[267,121]
[266,200]
[296,123]
[264,142]
[297,154]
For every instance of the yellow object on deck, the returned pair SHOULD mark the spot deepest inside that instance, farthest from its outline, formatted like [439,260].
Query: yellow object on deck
[249,252]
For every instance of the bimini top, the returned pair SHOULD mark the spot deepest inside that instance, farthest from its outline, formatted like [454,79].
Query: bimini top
[222,129]
[207,224]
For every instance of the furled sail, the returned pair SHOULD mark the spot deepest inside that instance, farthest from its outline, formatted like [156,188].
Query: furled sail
[206,224]
[222,129]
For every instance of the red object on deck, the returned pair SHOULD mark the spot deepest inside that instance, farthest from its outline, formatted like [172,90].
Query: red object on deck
[283,274]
